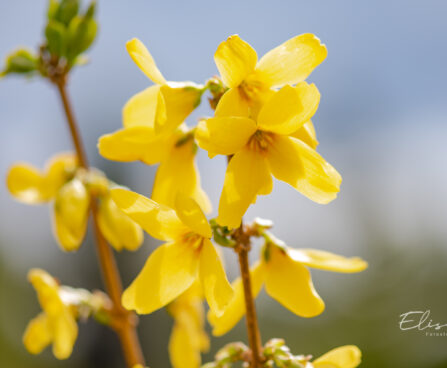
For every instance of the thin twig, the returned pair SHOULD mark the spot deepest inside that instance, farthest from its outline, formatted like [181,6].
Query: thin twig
[125,321]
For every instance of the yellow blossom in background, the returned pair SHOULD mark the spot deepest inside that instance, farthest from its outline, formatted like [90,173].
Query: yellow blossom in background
[284,273]
[265,147]
[187,256]
[252,81]
[188,337]
[56,325]
[175,152]
[348,356]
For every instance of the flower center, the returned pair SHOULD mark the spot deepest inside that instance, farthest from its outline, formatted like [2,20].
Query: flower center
[260,141]
[193,240]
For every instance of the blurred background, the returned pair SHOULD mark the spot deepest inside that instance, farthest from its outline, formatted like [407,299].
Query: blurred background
[381,123]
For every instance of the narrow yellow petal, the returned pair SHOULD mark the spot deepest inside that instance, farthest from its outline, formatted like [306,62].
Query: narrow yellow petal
[348,356]
[141,56]
[232,103]
[327,261]
[294,162]
[191,215]
[289,283]
[118,228]
[292,61]
[217,289]
[168,272]
[27,184]
[132,144]
[58,170]
[235,59]
[160,221]
[247,175]
[224,135]
[307,134]
[183,351]
[141,109]
[71,214]
[38,334]
[236,308]
[178,172]
[65,332]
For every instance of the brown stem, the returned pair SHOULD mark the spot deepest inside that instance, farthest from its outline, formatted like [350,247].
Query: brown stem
[125,321]
[254,337]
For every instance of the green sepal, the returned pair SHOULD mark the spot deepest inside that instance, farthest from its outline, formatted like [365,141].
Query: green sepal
[57,37]
[21,61]
[66,11]
[82,32]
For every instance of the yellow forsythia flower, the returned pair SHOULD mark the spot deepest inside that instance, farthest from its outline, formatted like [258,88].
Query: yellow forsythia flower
[348,356]
[251,81]
[175,152]
[173,267]
[58,183]
[266,146]
[56,324]
[286,278]
[188,337]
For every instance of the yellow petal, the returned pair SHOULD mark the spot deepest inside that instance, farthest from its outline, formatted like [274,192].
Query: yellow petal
[27,184]
[236,308]
[299,295]
[47,290]
[224,135]
[141,56]
[178,172]
[327,261]
[141,109]
[65,332]
[294,162]
[280,113]
[160,221]
[38,334]
[59,169]
[235,59]
[292,61]
[168,272]
[118,228]
[247,175]
[217,289]
[232,103]
[348,356]
[191,215]
[307,134]
[135,143]
[183,350]
[71,214]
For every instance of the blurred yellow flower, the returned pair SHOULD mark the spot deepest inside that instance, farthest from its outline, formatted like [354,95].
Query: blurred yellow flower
[251,81]
[348,356]
[273,144]
[175,152]
[56,324]
[286,278]
[188,337]
[173,267]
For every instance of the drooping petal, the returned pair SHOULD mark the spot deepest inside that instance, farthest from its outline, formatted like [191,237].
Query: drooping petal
[294,162]
[299,295]
[292,61]
[141,109]
[65,333]
[117,227]
[224,135]
[27,184]
[217,289]
[307,134]
[141,56]
[232,103]
[160,221]
[247,175]
[38,334]
[135,143]
[235,59]
[178,172]
[192,215]
[280,114]
[348,356]
[235,310]
[183,351]
[168,272]
[327,261]
[70,215]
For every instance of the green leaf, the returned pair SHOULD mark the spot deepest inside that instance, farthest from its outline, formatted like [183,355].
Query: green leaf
[82,33]
[21,61]
[53,6]
[67,10]
[56,35]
